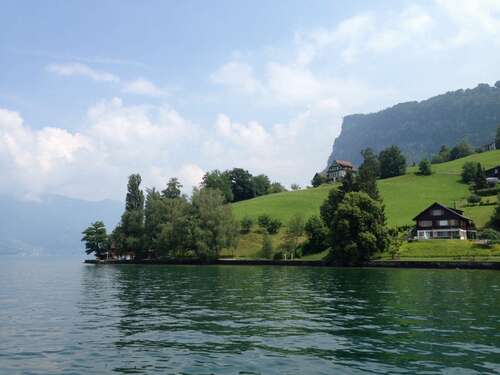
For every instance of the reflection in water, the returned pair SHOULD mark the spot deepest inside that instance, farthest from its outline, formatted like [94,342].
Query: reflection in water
[70,318]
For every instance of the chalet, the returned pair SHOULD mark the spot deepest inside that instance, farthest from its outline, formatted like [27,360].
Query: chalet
[338,169]
[488,147]
[440,222]
[493,174]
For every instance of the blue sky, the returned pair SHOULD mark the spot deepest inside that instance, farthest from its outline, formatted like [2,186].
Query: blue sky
[91,91]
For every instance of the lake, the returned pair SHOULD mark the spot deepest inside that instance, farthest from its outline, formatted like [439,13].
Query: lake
[64,317]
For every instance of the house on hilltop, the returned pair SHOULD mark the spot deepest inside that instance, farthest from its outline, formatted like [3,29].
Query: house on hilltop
[493,174]
[338,169]
[440,222]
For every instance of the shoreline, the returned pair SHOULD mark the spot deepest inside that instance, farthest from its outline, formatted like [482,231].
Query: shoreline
[479,265]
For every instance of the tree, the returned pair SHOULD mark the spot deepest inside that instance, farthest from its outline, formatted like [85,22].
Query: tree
[218,180]
[242,184]
[368,173]
[392,162]
[276,187]
[246,224]
[469,170]
[267,246]
[330,205]
[396,239]
[497,138]
[132,221]
[349,184]
[261,184]
[356,229]
[294,230]
[424,168]
[318,180]
[96,240]
[316,233]
[215,226]
[461,150]
[495,218]
[443,155]
[173,189]
[480,181]
[153,217]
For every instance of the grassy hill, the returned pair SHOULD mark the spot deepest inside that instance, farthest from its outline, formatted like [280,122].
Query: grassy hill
[404,197]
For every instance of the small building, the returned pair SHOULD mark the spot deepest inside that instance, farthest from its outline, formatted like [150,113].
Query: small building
[338,169]
[489,147]
[440,222]
[493,172]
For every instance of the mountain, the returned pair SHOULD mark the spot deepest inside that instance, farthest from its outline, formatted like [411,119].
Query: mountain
[51,226]
[420,128]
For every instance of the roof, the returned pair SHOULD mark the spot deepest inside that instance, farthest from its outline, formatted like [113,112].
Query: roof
[344,163]
[454,211]
[493,168]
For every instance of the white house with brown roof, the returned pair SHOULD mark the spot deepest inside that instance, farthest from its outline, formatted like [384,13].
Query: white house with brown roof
[338,169]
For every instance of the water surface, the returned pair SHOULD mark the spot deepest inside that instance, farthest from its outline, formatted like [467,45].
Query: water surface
[63,317]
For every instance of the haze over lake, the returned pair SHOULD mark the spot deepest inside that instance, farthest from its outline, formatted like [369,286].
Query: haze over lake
[63,317]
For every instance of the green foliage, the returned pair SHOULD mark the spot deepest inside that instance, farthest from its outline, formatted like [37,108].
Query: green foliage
[269,224]
[368,173]
[294,230]
[246,224]
[132,220]
[276,187]
[474,199]
[488,191]
[461,150]
[330,205]
[443,156]
[261,185]
[218,180]
[295,187]
[469,170]
[392,162]
[242,184]
[396,238]
[318,179]
[173,189]
[349,184]
[489,234]
[424,168]
[480,178]
[495,218]
[177,228]
[96,240]
[135,197]
[316,233]
[267,246]
[356,229]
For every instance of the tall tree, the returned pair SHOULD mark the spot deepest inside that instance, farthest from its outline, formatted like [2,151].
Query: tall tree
[173,189]
[424,168]
[132,222]
[392,162]
[96,240]
[480,181]
[135,197]
[461,150]
[318,180]
[368,173]
[349,183]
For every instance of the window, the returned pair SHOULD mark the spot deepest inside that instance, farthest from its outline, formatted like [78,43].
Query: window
[425,223]
[453,223]
[443,223]
[437,212]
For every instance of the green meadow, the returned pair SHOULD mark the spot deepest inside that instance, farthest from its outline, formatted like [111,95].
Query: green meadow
[404,197]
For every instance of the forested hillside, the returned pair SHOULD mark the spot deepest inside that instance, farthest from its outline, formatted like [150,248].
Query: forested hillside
[420,128]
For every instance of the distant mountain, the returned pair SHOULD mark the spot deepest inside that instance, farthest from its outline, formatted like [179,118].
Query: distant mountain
[51,226]
[420,128]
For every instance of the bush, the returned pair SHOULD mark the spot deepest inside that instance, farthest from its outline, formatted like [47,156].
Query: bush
[469,170]
[474,199]
[424,168]
[269,224]
[490,234]
[246,224]
[267,246]
[317,234]
[488,191]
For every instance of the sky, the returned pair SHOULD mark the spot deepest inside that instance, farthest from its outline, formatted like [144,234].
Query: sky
[93,91]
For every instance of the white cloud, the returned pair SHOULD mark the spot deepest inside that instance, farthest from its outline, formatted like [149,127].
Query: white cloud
[142,86]
[238,76]
[79,69]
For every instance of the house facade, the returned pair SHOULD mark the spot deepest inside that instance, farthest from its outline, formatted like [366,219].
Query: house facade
[489,147]
[338,169]
[493,172]
[440,222]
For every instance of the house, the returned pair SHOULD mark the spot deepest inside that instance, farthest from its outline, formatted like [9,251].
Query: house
[493,172]
[440,222]
[338,169]
[488,147]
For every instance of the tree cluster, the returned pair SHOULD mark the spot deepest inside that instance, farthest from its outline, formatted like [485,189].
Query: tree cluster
[238,184]
[473,174]
[167,224]
[461,150]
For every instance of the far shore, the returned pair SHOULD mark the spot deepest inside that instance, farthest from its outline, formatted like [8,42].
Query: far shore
[441,264]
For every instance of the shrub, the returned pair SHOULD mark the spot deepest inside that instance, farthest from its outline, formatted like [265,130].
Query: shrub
[488,192]
[474,199]
[267,246]
[246,224]
[269,224]
[424,168]
[316,233]
[490,234]
[469,170]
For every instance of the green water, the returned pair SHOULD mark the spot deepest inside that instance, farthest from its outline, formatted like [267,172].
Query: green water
[68,318]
